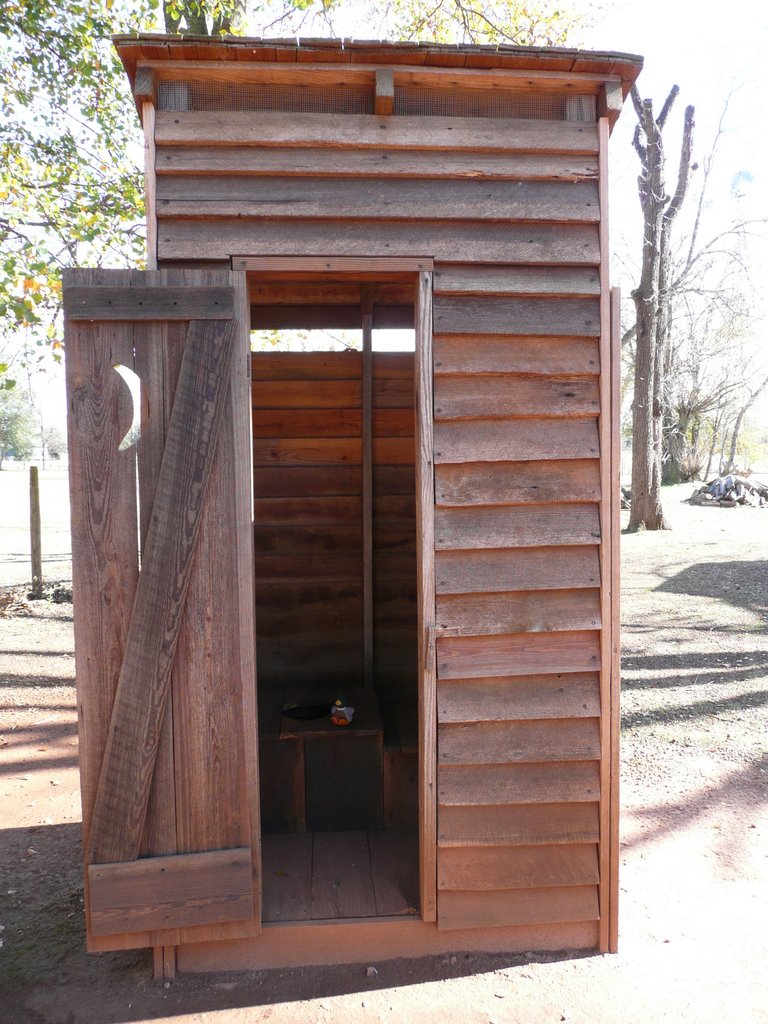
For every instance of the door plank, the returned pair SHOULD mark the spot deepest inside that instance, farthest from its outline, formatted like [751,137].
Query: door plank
[169,892]
[142,690]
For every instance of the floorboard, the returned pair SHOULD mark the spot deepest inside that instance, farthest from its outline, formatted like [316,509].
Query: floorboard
[335,875]
[342,885]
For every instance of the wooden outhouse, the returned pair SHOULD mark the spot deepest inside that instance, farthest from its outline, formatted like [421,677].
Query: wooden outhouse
[428,535]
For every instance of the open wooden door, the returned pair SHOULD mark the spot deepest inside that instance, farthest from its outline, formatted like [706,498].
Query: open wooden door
[163,605]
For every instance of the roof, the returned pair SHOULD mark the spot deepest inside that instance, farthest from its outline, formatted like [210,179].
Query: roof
[159,48]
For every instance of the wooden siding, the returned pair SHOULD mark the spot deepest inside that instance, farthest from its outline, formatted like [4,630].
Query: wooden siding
[230,184]
[518,580]
[308,511]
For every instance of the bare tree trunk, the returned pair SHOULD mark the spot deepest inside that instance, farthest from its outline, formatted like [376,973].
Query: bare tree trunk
[652,306]
[730,464]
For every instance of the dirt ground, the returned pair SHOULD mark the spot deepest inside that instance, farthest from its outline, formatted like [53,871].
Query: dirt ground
[694,851]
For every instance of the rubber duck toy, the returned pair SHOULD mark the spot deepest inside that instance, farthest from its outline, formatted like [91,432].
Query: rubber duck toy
[341,713]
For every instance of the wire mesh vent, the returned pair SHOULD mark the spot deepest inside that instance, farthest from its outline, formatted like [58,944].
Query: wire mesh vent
[417,102]
[299,99]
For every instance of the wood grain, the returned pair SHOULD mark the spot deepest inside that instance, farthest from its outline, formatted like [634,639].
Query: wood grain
[532,354]
[108,302]
[514,242]
[287,877]
[166,892]
[552,282]
[483,868]
[493,314]
[238,128]
[518,823]
[515,440]
[544,568]
[539,611]
[568,695]
[516,483]
[350,163]
[125,780]
[522,654]
[342,885]
[517,907]
[425,561]
[377,199]
[521,526]
[506,396]
[507,742]
[536,783]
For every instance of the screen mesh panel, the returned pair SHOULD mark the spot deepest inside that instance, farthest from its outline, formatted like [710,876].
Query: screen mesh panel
[359,99]
[492,103]
[299,99]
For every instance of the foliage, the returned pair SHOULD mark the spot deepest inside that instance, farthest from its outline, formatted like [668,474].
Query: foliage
[536,22]
[70,188]
[17,426]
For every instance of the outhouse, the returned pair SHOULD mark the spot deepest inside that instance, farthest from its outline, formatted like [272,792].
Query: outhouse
[428,536]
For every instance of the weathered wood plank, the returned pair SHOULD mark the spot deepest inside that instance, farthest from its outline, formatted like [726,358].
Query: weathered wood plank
[309,540]
[395,868]
[511,395]
[307,451]
[126,775]
[483,868]
[520,654]
[425,577]
[356,131]
[571,695]
[342,885]
[291,366]
[299,481]
[462,572]
[516,526]
[489,354]
[576,739]
[518,823]
[345,163]
[287,877]
[515,440]
[552,282]
[517,612]
[312,511]
[481,785]
[517,483]
[380,199]
[516,242]
[517,906]
[247,160]
[492,314]
[306,394]
[109,302]
[169,892]
[103,511]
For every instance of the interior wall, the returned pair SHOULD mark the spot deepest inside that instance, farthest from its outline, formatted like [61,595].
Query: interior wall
[307,450]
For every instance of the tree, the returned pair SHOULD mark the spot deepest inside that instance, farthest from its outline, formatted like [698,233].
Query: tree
[17,426]
[652,300]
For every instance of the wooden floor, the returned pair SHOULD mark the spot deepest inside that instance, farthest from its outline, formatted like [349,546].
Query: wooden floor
[326,875]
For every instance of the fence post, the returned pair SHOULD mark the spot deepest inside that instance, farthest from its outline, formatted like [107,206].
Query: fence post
[35,534]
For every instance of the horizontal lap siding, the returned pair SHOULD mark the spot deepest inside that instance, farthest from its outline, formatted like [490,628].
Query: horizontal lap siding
[308,506]
[235,183]
[518,612]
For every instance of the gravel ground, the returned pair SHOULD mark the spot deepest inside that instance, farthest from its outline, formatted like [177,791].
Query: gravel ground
[694,843]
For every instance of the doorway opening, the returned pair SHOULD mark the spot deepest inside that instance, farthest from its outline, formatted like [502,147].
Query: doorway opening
[336,594]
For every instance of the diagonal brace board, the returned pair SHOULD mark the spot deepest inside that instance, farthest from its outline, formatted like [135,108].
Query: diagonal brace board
[121,800]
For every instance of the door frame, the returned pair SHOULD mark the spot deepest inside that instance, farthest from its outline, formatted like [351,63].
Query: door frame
[422,268]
